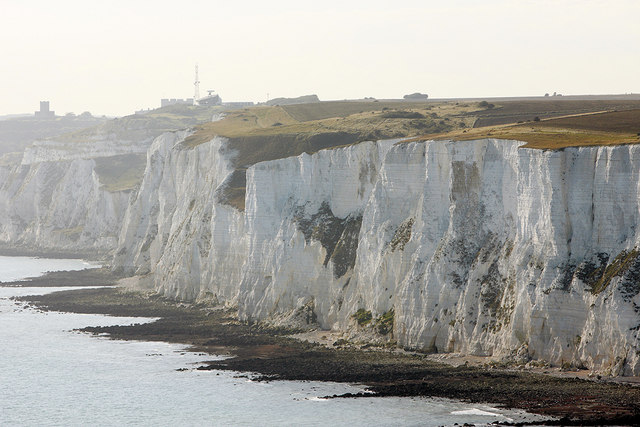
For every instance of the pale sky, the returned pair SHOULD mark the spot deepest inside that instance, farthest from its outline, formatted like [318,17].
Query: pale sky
[114,57]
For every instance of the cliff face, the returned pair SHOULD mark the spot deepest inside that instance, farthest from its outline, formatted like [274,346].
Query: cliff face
[477,247]
[303,226]
[175,228]
[70,194]
[59,206]
[484,248]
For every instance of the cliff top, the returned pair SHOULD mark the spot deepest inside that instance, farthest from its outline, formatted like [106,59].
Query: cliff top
[386,119]
[550,122]
[600,128]
[271,132]
[266,133]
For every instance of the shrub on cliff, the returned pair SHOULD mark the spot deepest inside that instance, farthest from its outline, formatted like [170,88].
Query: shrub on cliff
[362,316]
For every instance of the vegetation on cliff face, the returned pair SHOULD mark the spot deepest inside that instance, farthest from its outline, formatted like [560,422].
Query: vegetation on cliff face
[122,172]
[625,265]
[233,190]
[344,254]
[384,322]
[362,317]
[402,235]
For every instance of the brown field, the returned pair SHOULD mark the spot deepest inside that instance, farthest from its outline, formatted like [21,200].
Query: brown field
[616,121]
[610,128]
[509,112]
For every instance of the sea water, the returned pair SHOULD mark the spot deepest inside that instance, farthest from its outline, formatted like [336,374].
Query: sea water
[53,375]
[22,267]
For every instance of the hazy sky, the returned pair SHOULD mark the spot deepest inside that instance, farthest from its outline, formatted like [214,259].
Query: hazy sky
[113,57]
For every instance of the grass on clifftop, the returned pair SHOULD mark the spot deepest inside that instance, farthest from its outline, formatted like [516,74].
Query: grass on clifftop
[605,128]
[266,133]
[272,132]
[369,120]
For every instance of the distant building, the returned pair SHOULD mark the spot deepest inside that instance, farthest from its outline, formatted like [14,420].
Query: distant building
[173,101]
[211,99]
[44,112]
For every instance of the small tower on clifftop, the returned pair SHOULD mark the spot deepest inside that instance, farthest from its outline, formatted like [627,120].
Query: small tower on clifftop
[44,112]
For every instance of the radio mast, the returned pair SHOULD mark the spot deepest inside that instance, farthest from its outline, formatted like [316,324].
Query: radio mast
[196,94]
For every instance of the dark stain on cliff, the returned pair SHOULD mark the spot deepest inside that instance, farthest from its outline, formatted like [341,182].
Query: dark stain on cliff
[233,190]
[344,254]
[339,237]
[402,235]
[598,273]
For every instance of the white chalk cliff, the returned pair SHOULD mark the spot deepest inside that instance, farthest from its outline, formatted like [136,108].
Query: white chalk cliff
[478,247]
[54,200]
[59,206]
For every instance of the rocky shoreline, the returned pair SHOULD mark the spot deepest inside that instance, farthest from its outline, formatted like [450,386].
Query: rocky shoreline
[273,354]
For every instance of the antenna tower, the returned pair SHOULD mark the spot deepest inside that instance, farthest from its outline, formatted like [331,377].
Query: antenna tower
[196,94]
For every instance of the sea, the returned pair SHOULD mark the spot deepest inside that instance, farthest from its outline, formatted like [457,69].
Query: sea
[53,375]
